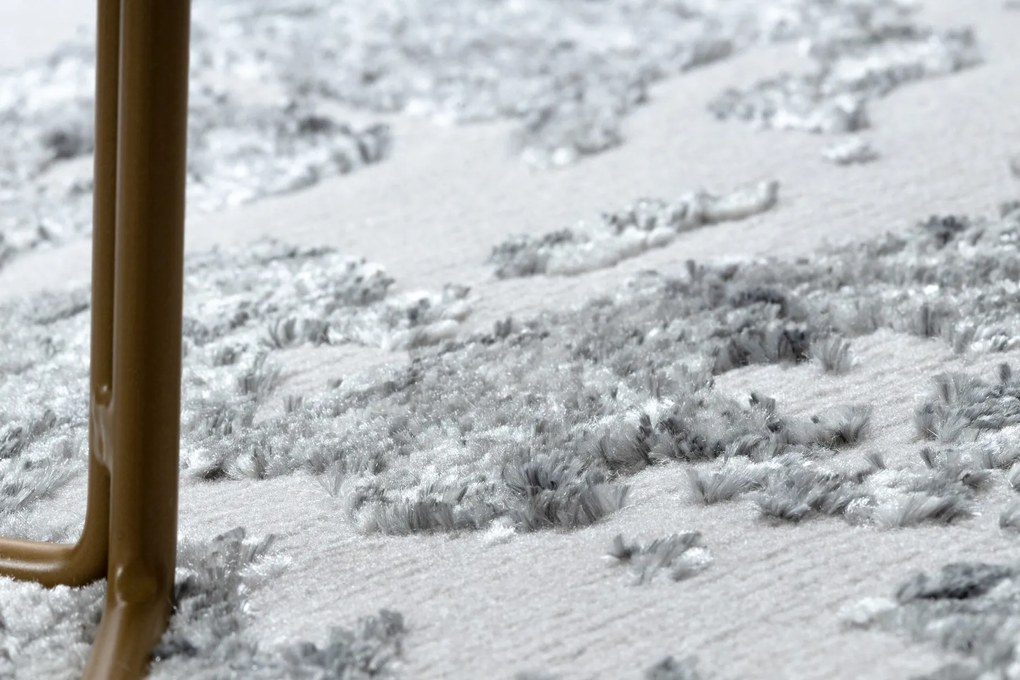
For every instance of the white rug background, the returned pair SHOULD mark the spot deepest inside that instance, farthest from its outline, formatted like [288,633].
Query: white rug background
[767,608]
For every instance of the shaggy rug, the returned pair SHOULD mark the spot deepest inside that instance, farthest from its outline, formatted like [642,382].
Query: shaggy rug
[537,425]
[745,394]
[270,79]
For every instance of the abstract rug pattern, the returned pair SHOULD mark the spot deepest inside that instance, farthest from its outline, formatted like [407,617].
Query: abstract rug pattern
[539,423]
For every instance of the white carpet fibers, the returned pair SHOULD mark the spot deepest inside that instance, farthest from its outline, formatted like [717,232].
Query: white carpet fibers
[767,607]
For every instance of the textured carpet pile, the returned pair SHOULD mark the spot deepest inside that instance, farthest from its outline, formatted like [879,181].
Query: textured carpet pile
[543,422]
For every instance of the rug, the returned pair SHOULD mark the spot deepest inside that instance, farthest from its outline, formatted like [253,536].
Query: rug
[736,466]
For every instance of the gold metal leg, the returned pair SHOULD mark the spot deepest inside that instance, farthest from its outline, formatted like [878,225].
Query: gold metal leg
[85,561]
[130,532]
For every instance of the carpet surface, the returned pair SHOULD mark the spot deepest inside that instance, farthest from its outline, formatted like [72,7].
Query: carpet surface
[597,367]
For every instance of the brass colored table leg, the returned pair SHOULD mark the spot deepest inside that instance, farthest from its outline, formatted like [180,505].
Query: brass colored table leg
[130,532]
[144,409]
[85,561]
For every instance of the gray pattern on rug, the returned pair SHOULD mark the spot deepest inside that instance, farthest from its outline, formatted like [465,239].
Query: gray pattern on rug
[538,424]
[46,633]
[251,132]
[570,72]
[668,668]
[240,307]
[271,87]
[626,233]
[866,53]
[550,414]
[971,609]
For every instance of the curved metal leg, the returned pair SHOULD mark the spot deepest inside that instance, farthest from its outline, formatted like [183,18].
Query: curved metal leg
[85,561]
[130,532]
